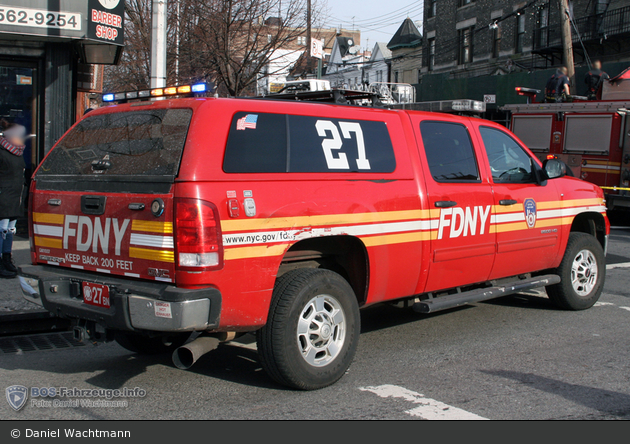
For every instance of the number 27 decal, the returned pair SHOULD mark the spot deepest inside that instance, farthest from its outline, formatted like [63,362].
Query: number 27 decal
[336,142]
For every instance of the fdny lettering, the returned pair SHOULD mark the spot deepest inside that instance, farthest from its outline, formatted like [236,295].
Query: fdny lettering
[463,221]
[92,236]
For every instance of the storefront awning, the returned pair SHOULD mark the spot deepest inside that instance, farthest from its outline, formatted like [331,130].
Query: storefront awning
[96,26]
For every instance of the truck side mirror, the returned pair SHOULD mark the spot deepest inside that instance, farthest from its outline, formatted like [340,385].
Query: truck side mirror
[554,168]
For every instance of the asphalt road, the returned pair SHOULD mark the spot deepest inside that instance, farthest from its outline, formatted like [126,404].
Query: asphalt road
[513,358]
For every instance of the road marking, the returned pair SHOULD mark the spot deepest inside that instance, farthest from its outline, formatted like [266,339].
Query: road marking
[428,408]
[620,265]
[603,304]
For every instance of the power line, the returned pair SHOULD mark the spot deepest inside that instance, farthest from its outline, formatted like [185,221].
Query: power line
[448,45]
[381,20]
[404,10]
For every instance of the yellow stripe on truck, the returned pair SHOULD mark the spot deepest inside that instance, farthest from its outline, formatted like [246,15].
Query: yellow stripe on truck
[153,255]
[48,218]
[152,226]
[229,226]
[48,242]
[390,239]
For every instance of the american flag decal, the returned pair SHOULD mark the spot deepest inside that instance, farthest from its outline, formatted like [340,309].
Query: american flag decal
[249,121]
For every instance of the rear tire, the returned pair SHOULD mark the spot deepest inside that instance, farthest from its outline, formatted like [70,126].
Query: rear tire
[312,331]
[146,345]
[583,272]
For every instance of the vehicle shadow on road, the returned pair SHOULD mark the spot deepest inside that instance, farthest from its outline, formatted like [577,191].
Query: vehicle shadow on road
[236,364]
[523,300]
[114,371]
[383,316]
[228,362]
[605,401]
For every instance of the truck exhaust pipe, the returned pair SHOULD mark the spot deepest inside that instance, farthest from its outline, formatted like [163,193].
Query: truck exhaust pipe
[185,356]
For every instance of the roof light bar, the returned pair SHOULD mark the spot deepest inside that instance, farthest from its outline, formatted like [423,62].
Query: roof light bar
[196,89]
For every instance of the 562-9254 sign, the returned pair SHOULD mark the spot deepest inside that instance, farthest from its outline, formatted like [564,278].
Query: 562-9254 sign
[39,18]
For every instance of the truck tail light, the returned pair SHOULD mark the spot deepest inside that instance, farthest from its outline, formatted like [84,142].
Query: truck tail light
[31,230]
[198,240]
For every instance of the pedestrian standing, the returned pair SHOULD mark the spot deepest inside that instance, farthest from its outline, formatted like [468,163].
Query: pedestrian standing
[557,88]
[594,80]
[12,144]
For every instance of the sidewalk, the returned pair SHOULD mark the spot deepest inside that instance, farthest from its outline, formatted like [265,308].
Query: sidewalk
[11,300]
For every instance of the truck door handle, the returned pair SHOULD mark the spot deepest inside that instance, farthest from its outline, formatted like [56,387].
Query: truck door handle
[508,202]
[445,203]
[93,205]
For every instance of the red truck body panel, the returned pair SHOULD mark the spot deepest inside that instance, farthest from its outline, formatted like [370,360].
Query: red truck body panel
[412,246]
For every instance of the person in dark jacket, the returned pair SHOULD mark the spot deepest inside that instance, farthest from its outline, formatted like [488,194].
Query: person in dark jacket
[594,80]
[557,88]
[12,167]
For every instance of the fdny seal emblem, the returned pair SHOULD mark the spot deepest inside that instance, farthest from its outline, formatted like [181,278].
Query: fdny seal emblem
[530,212]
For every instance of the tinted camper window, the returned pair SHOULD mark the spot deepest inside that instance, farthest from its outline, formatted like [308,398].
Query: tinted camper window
[261,143]
[257,144]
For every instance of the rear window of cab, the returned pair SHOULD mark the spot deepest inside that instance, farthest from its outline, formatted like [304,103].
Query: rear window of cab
[276,143]
[132,143]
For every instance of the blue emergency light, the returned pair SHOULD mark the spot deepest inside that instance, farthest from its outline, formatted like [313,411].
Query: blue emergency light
[108,97]
[199,88]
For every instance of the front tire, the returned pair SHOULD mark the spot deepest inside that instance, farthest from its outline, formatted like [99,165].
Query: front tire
[312,331]
[583,272]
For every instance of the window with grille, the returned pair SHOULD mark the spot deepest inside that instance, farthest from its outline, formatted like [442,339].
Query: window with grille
[520,32]
[431,12]
[431,63]
[465,53]
[496,42]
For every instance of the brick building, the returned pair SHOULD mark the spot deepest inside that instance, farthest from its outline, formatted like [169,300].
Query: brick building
[490,46]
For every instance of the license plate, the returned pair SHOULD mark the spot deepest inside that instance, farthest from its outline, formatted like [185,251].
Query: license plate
[96,294]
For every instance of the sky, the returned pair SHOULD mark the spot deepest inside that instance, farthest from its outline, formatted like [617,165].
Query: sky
[377,20]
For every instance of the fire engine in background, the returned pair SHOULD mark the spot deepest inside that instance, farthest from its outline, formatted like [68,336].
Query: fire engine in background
[591,137]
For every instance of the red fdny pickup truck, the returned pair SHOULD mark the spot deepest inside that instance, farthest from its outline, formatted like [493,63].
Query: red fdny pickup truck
[197,219]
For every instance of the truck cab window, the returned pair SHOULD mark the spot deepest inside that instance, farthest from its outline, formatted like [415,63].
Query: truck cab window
[509,163]
[449,152]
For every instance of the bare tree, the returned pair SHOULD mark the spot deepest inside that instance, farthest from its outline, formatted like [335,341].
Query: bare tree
[237,38]
[133,70]
[228,42]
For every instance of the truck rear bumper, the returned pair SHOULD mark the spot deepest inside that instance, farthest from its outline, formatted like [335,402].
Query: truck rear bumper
[133,304]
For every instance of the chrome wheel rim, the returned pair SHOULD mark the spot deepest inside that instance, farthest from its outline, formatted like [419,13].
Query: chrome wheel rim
[584,273]
[321,330]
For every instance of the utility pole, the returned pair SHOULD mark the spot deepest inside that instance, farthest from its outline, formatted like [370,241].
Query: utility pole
[308,27]
[567,39]
[158,44]
[177,47]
